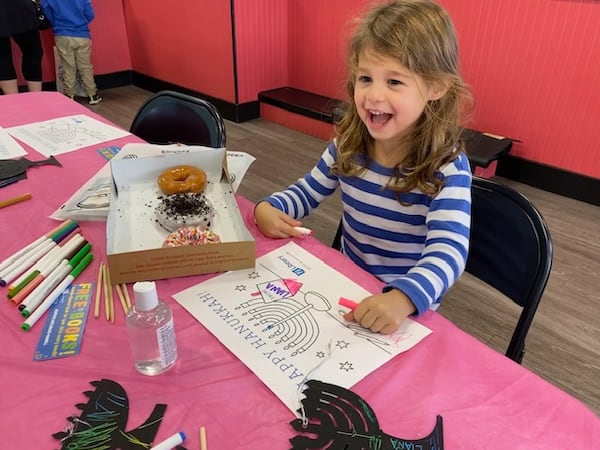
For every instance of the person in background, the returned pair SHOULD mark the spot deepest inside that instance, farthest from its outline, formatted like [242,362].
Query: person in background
[399,162]
[19,21]
[70,23]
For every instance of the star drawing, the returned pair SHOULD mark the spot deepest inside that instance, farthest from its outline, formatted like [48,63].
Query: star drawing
[342,344]
[347,366]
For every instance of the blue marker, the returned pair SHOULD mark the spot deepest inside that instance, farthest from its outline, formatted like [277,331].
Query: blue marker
[170,442]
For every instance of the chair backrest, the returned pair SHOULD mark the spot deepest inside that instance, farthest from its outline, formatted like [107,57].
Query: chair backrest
[510,250]
[172,117]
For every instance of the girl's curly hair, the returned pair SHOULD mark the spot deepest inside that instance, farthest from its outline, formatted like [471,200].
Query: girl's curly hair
[419,35]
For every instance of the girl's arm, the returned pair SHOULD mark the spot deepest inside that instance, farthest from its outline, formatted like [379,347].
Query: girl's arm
[300,198]
[447,243]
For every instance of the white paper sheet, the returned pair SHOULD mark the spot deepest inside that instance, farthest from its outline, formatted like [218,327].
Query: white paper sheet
[66,134]
[9,148]
[283,321]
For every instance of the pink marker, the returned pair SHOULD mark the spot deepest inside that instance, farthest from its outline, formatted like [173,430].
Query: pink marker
[343,301]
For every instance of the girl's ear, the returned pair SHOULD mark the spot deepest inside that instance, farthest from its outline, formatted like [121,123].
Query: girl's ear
[438,89]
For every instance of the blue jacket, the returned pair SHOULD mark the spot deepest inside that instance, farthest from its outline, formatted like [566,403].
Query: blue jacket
[69,18]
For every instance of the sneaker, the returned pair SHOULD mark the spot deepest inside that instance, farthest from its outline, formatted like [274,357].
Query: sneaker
[95,99]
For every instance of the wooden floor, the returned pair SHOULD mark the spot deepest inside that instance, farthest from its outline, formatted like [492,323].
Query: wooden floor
[563,345]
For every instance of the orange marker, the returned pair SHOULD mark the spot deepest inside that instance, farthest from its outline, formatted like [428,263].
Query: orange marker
[12,201]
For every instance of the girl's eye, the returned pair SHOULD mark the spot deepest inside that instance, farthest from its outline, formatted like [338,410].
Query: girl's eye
[364,79]
[395,82]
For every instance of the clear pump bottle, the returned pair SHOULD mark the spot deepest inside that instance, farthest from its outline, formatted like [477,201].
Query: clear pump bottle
[151,331]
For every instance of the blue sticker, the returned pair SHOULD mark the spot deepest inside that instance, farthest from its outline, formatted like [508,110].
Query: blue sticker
[108,152]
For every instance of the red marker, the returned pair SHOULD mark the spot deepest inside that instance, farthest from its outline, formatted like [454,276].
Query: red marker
[303,230]
[351,304]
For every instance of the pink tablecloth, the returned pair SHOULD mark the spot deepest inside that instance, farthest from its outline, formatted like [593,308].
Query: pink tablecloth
[486,400]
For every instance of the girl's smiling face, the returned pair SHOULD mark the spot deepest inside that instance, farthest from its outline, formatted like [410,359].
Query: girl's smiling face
[389,97]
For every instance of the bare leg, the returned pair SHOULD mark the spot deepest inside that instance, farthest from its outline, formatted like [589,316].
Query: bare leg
[9,86]
[34,86]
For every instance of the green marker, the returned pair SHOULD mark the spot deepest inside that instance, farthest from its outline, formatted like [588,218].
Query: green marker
[58,290]
[39,293]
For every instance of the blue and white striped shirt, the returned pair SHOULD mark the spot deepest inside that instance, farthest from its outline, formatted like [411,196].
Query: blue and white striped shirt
[419,249]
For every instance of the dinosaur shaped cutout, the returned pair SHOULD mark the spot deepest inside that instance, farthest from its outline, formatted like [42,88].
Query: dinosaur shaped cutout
[103,420]
[339,419]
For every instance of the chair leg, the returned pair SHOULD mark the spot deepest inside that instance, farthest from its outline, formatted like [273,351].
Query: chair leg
[337,240]
[516,354]
[520,357]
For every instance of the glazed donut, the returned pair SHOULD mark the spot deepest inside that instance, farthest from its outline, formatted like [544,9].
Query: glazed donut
[190,208]
[179,179]
[195,235]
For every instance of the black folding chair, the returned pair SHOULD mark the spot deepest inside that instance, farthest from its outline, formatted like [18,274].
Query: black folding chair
[510,250]
[172,117]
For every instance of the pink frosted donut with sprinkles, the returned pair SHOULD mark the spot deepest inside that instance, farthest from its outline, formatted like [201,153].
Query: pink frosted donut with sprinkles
[193,235]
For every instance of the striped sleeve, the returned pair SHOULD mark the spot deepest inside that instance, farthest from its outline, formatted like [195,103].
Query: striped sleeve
[300,198]
[444,255]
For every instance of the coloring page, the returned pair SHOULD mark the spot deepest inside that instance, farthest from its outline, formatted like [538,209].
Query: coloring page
[9,148]
[282,319]
[65,134]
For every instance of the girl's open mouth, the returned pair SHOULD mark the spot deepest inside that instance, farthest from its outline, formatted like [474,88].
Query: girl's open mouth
[379,118]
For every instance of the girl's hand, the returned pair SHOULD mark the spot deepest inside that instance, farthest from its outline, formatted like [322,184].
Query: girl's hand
[382,313]
[274,223]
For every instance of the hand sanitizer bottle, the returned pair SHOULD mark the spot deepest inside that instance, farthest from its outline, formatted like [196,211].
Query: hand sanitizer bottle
[151,331]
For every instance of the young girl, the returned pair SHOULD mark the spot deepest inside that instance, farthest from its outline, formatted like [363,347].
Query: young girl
[397,158]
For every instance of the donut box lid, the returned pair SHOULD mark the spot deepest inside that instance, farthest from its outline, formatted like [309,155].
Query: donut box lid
[135,238]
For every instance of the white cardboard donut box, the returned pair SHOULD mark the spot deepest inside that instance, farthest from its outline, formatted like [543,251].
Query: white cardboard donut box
[135,238]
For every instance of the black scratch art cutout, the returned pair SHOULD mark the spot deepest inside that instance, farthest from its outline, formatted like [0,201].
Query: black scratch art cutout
[338,419]
[103,419]
[17,168]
